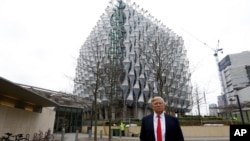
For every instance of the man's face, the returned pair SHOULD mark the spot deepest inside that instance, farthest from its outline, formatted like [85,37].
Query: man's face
[158,106]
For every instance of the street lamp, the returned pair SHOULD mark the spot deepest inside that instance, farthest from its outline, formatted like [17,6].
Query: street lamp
[239,106]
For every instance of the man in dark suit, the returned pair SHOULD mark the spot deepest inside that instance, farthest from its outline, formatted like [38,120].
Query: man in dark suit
[160,126]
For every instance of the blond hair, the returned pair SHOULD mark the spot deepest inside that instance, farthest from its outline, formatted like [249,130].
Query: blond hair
[157,98]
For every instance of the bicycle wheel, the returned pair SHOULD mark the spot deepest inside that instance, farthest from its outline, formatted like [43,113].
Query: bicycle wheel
[24,139]
[4,139]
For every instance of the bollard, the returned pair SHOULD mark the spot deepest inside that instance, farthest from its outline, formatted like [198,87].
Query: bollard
[120,132]
[62,137]
[48,134]
[100,134]
[90,133]
[111,133]
[76,139]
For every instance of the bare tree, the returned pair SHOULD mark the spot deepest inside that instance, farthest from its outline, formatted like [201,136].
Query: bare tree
[104,55]
[166,66]
[91,63]
[199,98]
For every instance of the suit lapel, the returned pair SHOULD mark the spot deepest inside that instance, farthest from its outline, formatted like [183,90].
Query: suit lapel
[166,126]
[151,127]
[151,124]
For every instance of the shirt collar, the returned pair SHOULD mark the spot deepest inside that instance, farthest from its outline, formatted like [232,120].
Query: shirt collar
[161,115]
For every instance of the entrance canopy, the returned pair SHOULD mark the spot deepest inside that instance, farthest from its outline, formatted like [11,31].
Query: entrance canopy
[13,95]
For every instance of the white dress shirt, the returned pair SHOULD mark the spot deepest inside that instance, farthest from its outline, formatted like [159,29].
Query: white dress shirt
[163,125]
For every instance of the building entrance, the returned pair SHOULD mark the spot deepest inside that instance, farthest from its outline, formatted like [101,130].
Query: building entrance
[68,118]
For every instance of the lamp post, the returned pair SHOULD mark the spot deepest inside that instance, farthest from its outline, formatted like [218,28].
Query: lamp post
[239,106]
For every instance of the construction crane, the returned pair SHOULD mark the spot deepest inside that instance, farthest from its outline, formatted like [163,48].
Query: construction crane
[216,51]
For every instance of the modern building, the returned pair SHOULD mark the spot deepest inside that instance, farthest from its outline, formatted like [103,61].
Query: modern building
[69,110]
[22,111]
[213,111]
[235,72]
[27,110]
[135,56]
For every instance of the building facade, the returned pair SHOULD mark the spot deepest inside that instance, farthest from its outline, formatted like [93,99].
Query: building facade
[213,111]
[27,109]
[235,71]
[133,55]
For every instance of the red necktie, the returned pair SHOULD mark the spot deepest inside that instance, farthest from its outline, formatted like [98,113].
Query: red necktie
[159,136]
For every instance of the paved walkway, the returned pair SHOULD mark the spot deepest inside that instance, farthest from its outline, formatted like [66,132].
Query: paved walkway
[85,137]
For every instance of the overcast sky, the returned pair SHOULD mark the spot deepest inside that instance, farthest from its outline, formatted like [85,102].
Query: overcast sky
[40,39]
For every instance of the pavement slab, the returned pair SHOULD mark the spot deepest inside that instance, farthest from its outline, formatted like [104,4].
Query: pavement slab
[85,137]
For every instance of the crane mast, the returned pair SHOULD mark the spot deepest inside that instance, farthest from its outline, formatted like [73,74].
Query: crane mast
[217,61]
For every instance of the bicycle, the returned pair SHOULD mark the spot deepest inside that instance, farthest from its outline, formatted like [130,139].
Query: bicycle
[38,137]
[48,136]
[19,137]
[4,138]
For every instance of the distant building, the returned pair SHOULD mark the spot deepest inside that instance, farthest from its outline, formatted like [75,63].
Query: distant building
[213,110]
[125,33]
[235,72]
[235,69]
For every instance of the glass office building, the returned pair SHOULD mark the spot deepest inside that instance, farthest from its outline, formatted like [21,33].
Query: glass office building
[148,59]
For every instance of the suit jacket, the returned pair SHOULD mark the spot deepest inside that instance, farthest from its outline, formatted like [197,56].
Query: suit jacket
[173,130]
